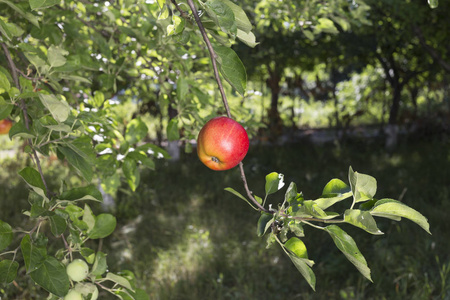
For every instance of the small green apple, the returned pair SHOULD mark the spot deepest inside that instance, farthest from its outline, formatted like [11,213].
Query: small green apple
[77,270]
[73,295]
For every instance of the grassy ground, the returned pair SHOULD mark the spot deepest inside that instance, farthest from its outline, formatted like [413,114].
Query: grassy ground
[186,238]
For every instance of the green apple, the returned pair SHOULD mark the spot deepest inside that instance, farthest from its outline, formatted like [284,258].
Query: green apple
[77,270]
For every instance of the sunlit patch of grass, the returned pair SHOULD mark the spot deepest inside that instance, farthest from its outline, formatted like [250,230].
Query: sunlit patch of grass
[184,260]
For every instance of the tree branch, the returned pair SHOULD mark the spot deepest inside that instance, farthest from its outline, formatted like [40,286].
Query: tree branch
[434,54]
[182,12]
[212,54]
[23,106]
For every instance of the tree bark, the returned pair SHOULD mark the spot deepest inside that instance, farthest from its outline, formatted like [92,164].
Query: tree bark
[274,116]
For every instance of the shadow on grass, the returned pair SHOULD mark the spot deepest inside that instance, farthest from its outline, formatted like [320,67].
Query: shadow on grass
[196,241]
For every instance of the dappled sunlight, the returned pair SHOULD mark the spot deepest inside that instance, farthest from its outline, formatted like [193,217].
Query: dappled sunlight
[186,258]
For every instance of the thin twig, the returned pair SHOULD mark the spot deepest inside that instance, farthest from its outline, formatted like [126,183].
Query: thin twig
[249,193]
[212,54]
[13,68]
[182,12]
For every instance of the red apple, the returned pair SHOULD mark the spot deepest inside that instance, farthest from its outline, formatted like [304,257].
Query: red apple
[222,143]
[5,126]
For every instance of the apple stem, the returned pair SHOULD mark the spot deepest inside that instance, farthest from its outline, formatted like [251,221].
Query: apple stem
[212,54]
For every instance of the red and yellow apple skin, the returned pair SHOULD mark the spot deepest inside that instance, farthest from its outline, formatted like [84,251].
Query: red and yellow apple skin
[5,126]
[222,143]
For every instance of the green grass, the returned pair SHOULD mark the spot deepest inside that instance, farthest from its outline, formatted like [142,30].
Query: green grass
[192,240]
[186,238]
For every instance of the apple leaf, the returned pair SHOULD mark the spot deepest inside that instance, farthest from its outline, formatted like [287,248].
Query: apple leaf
[104,226]
[393,209]
[52,276]
[231,68]
[347,245]
[8,271]
[6,235]
[274,182]
[363,186]
[362,219]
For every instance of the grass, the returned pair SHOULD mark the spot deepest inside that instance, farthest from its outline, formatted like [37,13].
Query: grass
[193,240]
[186,238]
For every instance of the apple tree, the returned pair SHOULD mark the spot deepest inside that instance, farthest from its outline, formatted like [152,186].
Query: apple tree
[68,65]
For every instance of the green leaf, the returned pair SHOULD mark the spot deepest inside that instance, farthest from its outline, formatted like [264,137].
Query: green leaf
[264,223]
[88,217]
[303,267]
[5,108]
[33,255]
[119,280]
[326,25]
[274,182]
[231,68]
[310,209]
[78,159]
[98,99]
[164,13]
[37,4]
[364,187]
[291,193]
[6,235]
[131,173]
[141,157]
[242,21]
[58,108]
[297,247]
[138,295]
[334,191]
[52,276]
[389,208]
[182,88]
[8,271]
[56,56]
[20,130]
[247,38]
[172,130]
[99,267]
[362,219]
[57,225]
[136,131]
[4,30]
[27,15]
[222,15]
[88,254]
[4,84]
[236,193]
[34,180]
[433,3]
[309,35]
[347,245]
[104,226]
[177,27]
[89,192]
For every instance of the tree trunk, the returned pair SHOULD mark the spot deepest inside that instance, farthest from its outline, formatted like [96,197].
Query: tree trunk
[275,124]
[395,108]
